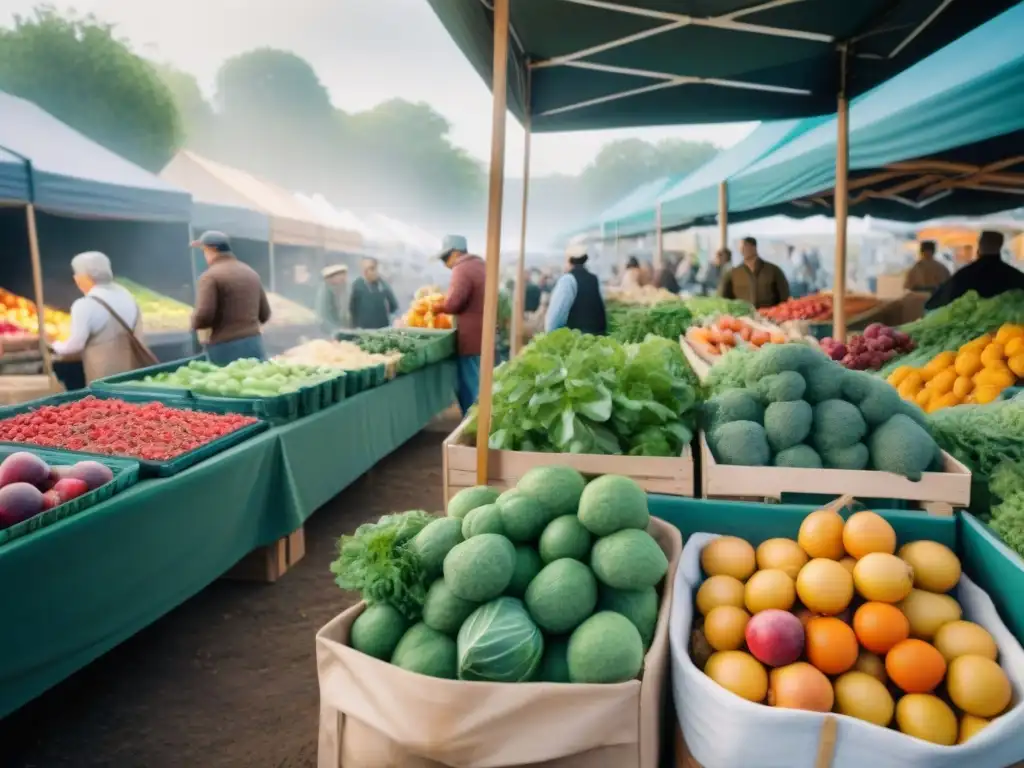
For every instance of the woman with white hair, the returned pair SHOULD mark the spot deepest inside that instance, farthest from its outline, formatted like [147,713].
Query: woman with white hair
[106,323]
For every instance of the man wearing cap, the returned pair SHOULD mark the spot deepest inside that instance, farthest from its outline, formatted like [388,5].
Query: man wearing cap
[576,300]
[332,298]
[988,274]
[372,302]
[230,303]
[465,301]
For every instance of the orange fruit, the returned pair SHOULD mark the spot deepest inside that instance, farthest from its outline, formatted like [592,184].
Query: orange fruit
[915,666]
[880,626]
[831,645]
[821,534]
[867,532]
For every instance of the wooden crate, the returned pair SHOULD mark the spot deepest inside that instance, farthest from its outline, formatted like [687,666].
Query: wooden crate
[937,492]
[18,389]
[671,476]
[268,564]
[700,366]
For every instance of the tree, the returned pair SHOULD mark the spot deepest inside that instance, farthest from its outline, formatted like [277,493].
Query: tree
[623,165]
[194,111]
[75,69]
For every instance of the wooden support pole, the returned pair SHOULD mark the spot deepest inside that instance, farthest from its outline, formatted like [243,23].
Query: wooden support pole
[499,85]
[659,240]
[841,203]
[723,214]
[37,288]
[519,305]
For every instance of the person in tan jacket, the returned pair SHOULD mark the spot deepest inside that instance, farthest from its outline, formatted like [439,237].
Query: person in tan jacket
[231,304]
[927,274]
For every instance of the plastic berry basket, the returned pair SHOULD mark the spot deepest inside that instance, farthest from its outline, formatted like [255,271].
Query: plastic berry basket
[147,467]
[126,474]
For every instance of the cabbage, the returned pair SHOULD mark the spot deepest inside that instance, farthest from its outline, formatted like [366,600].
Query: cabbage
[499,643]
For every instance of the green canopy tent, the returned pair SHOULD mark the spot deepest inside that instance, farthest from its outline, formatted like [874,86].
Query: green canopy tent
[585,64]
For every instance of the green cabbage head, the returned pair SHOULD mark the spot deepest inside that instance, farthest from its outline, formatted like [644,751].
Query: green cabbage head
[499,643]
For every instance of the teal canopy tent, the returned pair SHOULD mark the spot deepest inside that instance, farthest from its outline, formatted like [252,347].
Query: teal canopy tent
[233,221]
[636,212]
[943,138]
[13,178]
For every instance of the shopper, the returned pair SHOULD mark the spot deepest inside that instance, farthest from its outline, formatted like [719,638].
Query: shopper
[332,298]
[667,278]
[760,282]
[372,302]
[716,269]
[230,303]
[988,274]
[631,275]
[465,301]
[576,301]
[928,273]
[106,323]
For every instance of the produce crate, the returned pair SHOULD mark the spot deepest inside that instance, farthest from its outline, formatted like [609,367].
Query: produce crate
[147,468]
[655,474]
[938,493]
[16,389]
[126,474]
[129,380]
[268,564]
[410,361]
[699,365]
[441,346]
[365,378]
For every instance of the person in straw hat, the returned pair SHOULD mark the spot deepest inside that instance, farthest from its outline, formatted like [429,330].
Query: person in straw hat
[332,298]
[576,300]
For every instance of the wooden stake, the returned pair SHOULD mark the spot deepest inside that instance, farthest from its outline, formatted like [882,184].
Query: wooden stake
[519,305]
[841,204]
[493,252]
[37,287]
[723,214]
[659,241]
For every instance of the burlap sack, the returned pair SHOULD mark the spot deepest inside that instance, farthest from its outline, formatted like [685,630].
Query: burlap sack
[375,715]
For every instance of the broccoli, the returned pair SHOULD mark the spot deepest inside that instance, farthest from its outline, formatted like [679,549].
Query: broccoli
[876,398]
[914,413]
[740,442]
[787,424]
[824,382]
[901,446]
[851,457]
[837,424]
[733,405]
[798,456]
[776,358]
[781,387]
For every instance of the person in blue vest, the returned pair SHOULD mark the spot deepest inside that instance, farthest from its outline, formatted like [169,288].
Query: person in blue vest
[576,300]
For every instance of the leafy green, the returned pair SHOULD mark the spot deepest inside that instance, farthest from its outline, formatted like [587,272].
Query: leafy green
[573,393]
[981,436]
[1007,518]
[704,307]
[668,319]
[376,561]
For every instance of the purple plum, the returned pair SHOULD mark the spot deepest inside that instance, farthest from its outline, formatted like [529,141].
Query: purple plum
[19,501]
[24,467]
[51,499]
[838,352]
[92,472]
[872,331]
[71,488]
[57,473]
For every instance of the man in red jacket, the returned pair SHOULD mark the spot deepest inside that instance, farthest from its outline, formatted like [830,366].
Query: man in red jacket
[465,301]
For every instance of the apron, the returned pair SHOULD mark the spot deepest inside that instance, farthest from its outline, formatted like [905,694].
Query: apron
[109,351]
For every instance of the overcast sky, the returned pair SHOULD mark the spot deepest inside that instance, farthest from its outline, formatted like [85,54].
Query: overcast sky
[365,51]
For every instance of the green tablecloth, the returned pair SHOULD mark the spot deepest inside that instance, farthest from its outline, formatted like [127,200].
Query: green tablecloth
[73,591]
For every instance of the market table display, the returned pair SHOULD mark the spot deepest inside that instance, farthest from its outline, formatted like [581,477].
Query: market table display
[91,581]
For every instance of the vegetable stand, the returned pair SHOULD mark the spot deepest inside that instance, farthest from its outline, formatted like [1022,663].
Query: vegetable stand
[197,525]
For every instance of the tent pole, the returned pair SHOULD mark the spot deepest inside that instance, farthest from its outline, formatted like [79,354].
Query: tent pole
[842,200]
[37,287]
[519,305]
[659,241]
[723,215]
[493,252]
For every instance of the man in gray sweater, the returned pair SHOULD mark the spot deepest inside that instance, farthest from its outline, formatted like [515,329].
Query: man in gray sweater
[230,303]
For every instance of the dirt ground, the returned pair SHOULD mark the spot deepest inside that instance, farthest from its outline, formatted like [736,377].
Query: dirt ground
[229,678]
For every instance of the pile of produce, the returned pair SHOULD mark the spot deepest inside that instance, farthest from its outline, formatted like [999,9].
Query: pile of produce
[725,333]
[247,377]
[838,621]
[705,307]
[9,330]
[816,308]
[21,313]
[958,323]
[1006,518]
[287,312]
[159,312]
[151,431]
[977,372]
[981,437]
[633,323]
[28,485]
[568,392]
[320,353]
[421,312]
[645,294]
[871,350]
[555,580]
[800,409]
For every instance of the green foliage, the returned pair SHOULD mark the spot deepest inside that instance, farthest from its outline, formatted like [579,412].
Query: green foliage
[376,561]
[573,393]
[1007,519]
[77,70]
[704,307]
[981,436]
[668,319]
